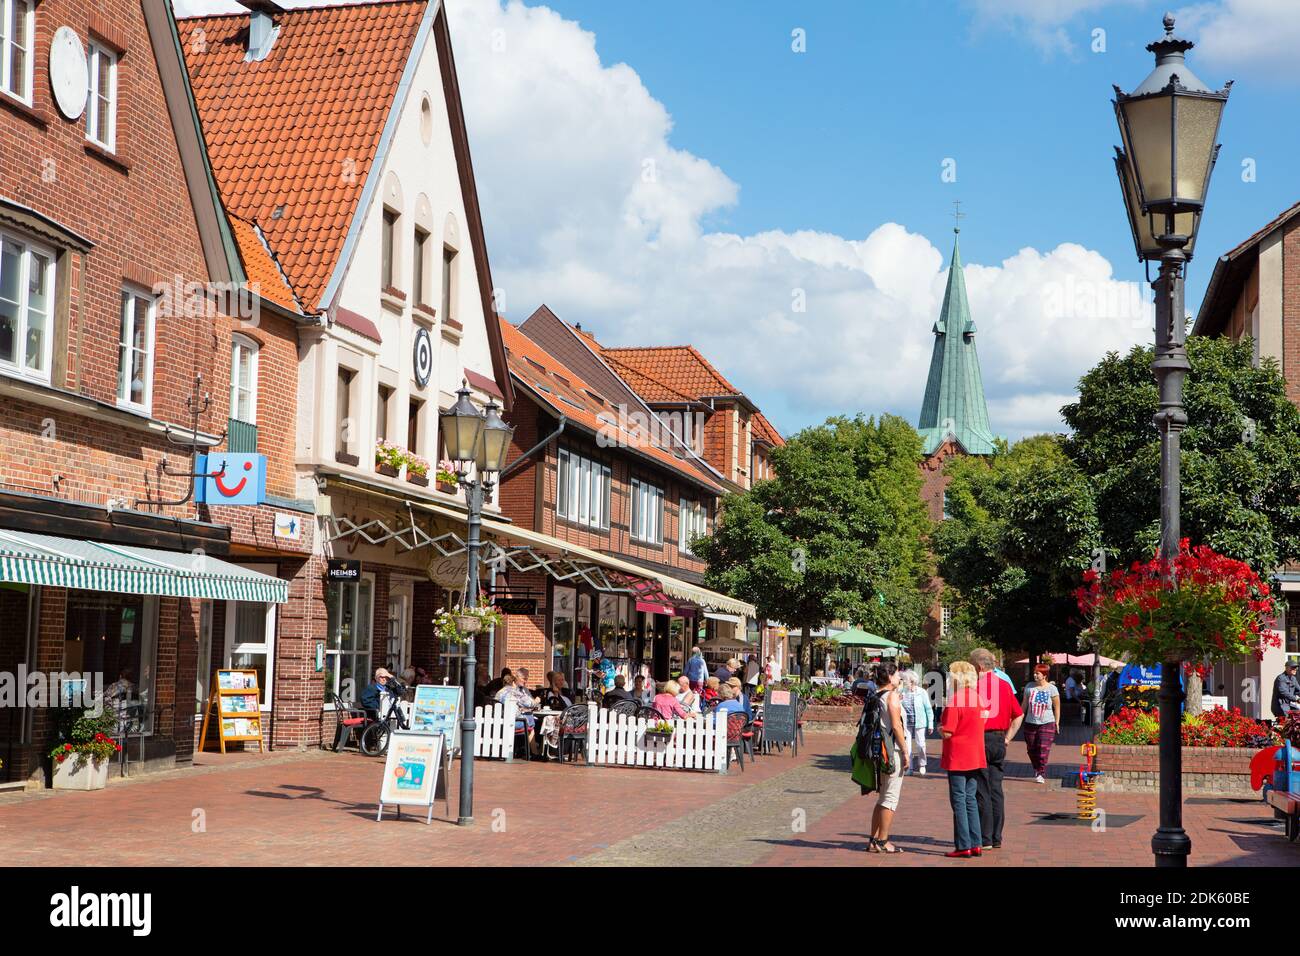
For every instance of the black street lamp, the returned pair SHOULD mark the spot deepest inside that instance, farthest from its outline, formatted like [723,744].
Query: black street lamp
[481,440]
[1169,126]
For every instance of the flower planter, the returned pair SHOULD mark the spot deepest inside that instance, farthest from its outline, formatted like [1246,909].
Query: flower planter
[447,487]
[78,773]
[1128,769]
[388,470]
[468,624]
[658,735]
[421,480]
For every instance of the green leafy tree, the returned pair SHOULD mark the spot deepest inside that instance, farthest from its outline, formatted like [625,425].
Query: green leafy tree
[1021,529]
[840,525]
[1240,454]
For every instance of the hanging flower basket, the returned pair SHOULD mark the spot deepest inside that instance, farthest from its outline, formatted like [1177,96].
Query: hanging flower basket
[459,624]
[1200,608]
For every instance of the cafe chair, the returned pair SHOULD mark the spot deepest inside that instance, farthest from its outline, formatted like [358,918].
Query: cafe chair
[351,719]
[627,708]
[735,740]
[573,730]
[650,713]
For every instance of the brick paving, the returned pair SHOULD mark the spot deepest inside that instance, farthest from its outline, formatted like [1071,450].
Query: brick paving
[318,808]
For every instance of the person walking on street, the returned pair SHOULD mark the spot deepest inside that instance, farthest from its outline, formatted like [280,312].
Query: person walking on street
[1286,690]
[1042,720]
[1002,718]
[918,720]
[963,758]
[891,782]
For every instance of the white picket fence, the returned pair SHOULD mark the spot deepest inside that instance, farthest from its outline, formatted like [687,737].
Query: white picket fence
[494,735]
[620,740]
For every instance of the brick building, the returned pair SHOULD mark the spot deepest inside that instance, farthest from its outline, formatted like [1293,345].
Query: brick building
[1255,291]
[620,488]
[954,421]
[119,280]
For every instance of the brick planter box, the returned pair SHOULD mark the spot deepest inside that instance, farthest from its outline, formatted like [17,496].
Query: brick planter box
[831,720]
[1205,769]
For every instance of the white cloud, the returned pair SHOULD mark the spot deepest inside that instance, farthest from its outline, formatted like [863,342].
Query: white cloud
[1048,24]
[1258,36]
[591,209]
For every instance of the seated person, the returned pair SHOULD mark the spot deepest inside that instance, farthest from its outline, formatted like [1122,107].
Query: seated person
[711,688]
[666,702]
[689,700]
[642,694]
[372,698]
[738,691]
[497,683]
[512,691]
[554,694]
[729,705]
[619,692]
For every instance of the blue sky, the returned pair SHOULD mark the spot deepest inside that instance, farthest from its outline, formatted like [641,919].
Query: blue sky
[675,172]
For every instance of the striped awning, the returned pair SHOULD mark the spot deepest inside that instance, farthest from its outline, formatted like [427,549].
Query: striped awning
[42,559]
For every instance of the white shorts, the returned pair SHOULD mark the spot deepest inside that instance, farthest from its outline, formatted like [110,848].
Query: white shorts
[891,784]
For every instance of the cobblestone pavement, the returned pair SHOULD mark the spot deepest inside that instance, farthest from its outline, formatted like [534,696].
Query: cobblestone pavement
[319,808]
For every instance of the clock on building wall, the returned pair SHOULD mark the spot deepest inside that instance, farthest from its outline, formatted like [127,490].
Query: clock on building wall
[69,73]
[422,357]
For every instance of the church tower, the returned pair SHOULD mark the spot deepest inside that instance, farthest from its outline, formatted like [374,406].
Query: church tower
[954,420]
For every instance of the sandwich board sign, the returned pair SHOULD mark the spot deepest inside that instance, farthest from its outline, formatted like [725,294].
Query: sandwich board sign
[780,715]
[411,769]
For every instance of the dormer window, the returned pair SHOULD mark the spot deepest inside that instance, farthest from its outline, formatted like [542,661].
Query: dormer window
[17,28]
[101,104]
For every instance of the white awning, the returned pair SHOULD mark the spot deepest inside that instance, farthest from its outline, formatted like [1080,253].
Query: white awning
[737,619]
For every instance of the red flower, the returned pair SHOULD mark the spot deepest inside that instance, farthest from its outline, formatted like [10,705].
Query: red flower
[1131,620]
[67,746]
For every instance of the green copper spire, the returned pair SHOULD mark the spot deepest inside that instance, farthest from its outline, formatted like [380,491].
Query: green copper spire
[954,405]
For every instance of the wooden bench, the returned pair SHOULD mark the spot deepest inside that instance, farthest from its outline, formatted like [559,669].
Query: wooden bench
[1286,806]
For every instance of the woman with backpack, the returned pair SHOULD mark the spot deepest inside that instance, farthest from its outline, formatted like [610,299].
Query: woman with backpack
[890,785]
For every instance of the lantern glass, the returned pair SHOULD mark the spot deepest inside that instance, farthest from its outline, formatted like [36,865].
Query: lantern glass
[461,425]
[1148,129]
[1147,227]
[1198,125]
[493,442]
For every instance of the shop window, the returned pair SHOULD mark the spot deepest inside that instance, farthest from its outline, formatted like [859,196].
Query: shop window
[250,640]
[348,621]
[647,512]
[395,649]
[582,495]
[26,306]
[101,103]
[562,632]
[135,351]
[115,635]
[17,27]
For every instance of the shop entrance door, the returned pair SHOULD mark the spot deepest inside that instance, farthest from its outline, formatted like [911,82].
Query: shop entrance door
[17,636]
[398,634]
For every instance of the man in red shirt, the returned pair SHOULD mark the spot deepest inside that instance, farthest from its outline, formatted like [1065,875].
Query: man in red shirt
[1003,717]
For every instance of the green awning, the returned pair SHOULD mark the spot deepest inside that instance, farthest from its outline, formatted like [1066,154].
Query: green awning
[42,559]
[859,638]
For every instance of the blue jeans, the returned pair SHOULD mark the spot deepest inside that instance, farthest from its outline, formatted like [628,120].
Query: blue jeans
[963,793]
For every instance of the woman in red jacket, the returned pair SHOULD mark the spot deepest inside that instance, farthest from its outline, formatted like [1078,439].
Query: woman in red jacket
[962,727]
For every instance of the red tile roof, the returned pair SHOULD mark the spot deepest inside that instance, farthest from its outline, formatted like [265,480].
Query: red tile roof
[567,393]
[260,265]
[292,138]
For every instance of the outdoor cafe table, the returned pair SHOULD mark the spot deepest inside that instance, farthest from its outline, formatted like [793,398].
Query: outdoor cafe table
[547,720]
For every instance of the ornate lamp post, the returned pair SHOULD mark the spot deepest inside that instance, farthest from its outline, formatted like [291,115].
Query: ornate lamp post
[477,439]
[1169,126]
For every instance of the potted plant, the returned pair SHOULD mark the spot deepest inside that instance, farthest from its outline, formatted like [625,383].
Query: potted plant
[661,731]
[1200,608]
[457,625]
[389,458]
[417,470]
[80,760]
[447,479]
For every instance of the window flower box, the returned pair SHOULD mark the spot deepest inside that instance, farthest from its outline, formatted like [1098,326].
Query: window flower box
[386,469]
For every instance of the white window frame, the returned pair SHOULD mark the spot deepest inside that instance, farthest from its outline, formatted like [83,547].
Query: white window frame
[241,344]
[93,132]
[582,490]
[28,249]
[367,579]
[6,49]
[129,296]
[692,522]
[647,525]
[265,646]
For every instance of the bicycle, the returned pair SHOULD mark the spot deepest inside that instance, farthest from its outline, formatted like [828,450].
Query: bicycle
[374,739]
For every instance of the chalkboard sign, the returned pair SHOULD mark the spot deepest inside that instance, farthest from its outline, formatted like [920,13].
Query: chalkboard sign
[780,713]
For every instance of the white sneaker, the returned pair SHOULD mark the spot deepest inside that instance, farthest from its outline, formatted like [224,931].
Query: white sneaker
[921,771]
[1039,779]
